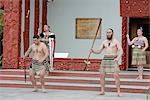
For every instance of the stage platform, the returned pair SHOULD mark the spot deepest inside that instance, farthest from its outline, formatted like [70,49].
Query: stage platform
[26,94]
[77,80]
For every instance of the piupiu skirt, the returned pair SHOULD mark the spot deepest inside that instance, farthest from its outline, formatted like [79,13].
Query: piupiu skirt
[109,65]
[138,56]
[37,66]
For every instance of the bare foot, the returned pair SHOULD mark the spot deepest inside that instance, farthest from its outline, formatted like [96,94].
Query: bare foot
[102,93]
[139,77]
[43,90]
[119,95]
[35,90]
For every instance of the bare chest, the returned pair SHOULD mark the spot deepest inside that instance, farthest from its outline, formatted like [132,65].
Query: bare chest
[37,49]
[110,45]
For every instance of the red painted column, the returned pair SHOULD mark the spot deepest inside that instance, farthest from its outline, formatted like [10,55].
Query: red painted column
[124,43]
[44,13]
[26,25]
[12,32]
[36,16]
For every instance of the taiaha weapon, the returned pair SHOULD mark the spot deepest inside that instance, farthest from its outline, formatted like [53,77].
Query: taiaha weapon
[25,74]
[148,93]
[87,62]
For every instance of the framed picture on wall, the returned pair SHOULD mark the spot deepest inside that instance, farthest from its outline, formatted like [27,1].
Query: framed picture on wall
[86,28]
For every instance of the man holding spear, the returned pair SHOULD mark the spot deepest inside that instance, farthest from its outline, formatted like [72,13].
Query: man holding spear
[112,53]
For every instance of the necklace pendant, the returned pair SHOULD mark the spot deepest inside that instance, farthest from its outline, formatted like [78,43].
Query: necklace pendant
[108,44]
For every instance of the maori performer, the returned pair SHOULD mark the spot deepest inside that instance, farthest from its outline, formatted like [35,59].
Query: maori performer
[49,39]
[139,45]
[39,53]
[112,53]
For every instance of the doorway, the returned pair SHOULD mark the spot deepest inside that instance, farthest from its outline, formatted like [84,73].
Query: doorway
[134,24]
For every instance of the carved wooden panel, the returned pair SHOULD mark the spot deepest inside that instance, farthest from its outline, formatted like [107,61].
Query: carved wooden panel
[44,13]
[36,16]
[135,8]
[12,29]
[24,63]
[67,64]
[76,64]
[124,43]
[26,25]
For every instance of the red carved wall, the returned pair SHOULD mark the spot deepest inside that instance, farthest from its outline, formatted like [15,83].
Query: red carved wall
[134,8]
[76,64]
[12,29]
[67,64]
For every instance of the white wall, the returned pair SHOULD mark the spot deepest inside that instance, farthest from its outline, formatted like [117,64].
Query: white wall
[22,27]
[61,17]
[31,31]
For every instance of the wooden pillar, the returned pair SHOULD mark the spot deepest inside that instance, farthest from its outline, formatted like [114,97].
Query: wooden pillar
[44,13]
[12,32]
[36,16]
[124,43]
[26,25]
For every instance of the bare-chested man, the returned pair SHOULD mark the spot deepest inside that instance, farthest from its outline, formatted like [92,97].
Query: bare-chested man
[139,45]
[39,53]
[112,53]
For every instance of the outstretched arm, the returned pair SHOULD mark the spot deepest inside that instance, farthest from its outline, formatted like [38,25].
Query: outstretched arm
[98,51]
[128,39]
[28,51]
